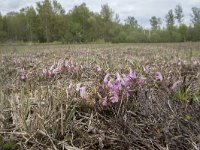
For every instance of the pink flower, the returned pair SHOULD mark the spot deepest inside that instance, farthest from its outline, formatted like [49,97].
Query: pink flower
[69,89]
[110,83]
[22,75]
[141,82]
[126,81]
[118,77]
[78,86]
[176,84]
[83,93]
[50,73]
[126,92]
[52,67]
[44,72]
[105,102]
[70,85]
[146,68]
[116,86]
[55,71]
[114,98]
[98,69]
[159,76]
[132,74]
[106,78]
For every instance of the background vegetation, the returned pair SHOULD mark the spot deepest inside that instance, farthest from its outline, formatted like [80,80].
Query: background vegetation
[49,22]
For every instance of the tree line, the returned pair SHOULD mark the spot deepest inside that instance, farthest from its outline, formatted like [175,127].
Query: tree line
[49,22]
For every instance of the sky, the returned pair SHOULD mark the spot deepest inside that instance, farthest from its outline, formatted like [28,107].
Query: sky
[142,10]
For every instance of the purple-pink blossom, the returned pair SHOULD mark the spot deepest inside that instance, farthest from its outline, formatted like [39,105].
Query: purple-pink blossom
[83,92]
[116,86]
[126,92]
[114,98]
[141,82]
[126,81]
[106,78]
[176,84]
[44,72]
[159,76]
[22,74]
[118,77]
[105,102]
[50,73]
[132,74]
[98,69]
[78,86]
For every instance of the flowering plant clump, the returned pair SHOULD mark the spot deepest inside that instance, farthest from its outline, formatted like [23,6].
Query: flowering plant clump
[22,74]
[159,76]
[66,66]
[176,85]
[111,89]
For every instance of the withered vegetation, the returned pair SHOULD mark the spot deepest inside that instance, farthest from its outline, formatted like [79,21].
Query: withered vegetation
[41,109]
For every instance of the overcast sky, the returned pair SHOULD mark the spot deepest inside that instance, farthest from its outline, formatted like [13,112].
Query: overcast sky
[142,10]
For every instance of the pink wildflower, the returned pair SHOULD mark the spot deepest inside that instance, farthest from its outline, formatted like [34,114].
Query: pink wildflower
[176,84]
[110,83]
[116,86]
[55,71]
[50,73]
[70,85]
[118,77]
[105,102]
[106,78]
[126,92]
[22,74]
[141,82]
[126,81]
[98,69]
[44,72]
[159,76]
[83,93]
[114,98]
[132,74]
[78,86]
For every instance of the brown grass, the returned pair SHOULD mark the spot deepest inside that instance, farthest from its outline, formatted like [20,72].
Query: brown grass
[41,114]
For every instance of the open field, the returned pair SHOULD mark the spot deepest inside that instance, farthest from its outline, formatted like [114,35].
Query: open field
[103,96]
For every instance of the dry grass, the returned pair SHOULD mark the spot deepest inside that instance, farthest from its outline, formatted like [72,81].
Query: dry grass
[42,113]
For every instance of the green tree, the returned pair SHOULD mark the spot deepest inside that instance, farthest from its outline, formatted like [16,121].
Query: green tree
[15,26]
[195,15]
[183,31]
[2,32]
[79,23]
[196,23]
[170,26]
[179,14]
[170,18]
[31,23]
[131,21]
[58,22]
[51,20]
[107,25]
[155,23]
[45,15]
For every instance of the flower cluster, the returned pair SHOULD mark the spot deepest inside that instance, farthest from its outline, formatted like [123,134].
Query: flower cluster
[112,88]
[61,67]
[22,74]
[120,85]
